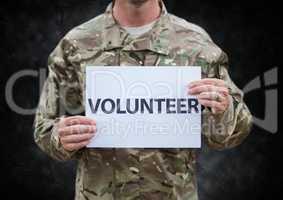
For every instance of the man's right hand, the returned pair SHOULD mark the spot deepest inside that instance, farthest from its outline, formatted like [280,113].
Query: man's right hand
[76,132]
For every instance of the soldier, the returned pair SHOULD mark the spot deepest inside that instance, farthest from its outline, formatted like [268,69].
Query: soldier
[135,32]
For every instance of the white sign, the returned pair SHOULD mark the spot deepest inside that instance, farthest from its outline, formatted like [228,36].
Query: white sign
[143,107]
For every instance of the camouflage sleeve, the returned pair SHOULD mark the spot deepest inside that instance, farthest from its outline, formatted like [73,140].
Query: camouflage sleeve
[48,111]
[229,129]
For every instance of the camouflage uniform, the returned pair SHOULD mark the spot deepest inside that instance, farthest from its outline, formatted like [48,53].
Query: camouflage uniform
[128,174]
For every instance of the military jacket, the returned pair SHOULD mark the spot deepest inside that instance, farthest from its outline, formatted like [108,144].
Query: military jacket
[134,174]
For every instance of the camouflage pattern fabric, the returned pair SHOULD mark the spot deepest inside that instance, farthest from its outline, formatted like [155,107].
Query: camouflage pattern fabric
[134,174]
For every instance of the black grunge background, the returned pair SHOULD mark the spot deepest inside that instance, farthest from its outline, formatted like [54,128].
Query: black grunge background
[248,32]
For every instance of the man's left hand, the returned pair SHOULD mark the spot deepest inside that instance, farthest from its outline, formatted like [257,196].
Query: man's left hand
[211,92]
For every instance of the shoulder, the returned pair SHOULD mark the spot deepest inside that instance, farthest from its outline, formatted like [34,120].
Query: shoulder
[91,26]
[87,35]
[192,34]
[82,38]
[181,24]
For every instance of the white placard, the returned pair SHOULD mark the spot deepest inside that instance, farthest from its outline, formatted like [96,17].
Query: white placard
[143,107]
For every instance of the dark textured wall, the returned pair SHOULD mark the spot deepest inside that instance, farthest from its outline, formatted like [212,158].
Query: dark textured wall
[249,33]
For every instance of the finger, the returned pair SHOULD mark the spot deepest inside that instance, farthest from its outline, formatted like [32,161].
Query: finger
[76,138]
[208,88]
[76,129]
[76,146]
[213,96]
[207,81]
[75,120]
[213,105]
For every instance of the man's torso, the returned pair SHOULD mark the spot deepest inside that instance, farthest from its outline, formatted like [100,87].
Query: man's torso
[123,174]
